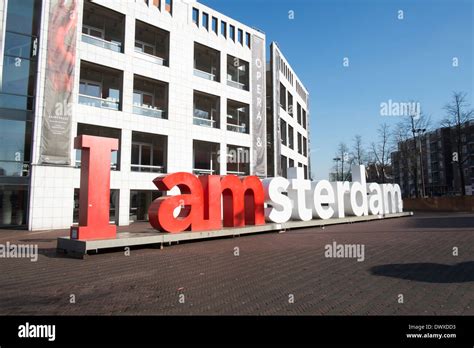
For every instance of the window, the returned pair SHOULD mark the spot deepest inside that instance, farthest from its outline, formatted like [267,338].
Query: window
[298,112]
[232,32]
[150,97]
[238,160]
[291,163]
[237,73]
[305,147]
[283,132]
[214,25]
[148,153]
[103,27]
[290,103]
[140,201]
[305,172]
[300,143]
[206,62]
[196,16]
[15,137]
[95,32]
[240,36]
[247,39]
[282,96]
[152,41]
[237,117]
[206,110]
[205,157]
[205,20]
[224,29]
[284,166]
[169,6]
[100,86]
[21,17]
[291,144]
[304,119]
[13,204]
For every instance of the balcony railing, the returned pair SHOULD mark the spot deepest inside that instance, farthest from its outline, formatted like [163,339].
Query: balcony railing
[236,173]
[237,128]
[236,84]
[113,46]
[156,59]
[150,111]
[201,118]
[204,74]
[197,171]
[112,104]
[147,169]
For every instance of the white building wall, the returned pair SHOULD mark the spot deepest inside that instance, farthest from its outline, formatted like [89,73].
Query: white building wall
[52,187]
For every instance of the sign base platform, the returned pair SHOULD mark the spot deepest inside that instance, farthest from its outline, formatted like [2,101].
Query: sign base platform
[81,248]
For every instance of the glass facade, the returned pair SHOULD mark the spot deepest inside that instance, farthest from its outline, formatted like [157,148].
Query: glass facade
[17,91]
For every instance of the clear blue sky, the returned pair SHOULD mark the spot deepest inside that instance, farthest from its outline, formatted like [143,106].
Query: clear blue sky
[401,60]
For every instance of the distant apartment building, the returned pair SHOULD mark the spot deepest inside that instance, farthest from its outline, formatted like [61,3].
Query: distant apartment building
[437,174]
[180,85]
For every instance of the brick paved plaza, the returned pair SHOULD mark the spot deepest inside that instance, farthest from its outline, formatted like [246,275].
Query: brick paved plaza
[412,256]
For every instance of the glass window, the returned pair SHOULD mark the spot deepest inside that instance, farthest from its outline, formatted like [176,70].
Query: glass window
[21,18]
[205,20]
[17,45]
[224,29]
[148,152]
[214,25]
[13,205]
[169,6]
[283,131]
[247,39]
[16,76]
[92,89]
[140,202]
[232,32]
[290,137]
[240,36]
[15,137]
[284,166]
[282,96]
[290,103]
[196,16]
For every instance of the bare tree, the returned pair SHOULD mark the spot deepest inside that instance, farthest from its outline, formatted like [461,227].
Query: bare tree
[342,155]
[381,152]
[458,113]
[405,131]
[358,154]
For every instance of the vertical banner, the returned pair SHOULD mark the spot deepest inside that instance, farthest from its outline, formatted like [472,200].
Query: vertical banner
[275,61]
[59,82]
[258,107]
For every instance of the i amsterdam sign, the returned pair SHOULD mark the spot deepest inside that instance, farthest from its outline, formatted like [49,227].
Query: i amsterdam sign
[213,201]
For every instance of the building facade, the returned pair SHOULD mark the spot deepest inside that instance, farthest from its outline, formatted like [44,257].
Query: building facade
[437,174]
[181,86]
[287,117]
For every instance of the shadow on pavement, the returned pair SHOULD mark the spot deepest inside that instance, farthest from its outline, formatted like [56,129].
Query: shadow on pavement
[428,272]
[442,222]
